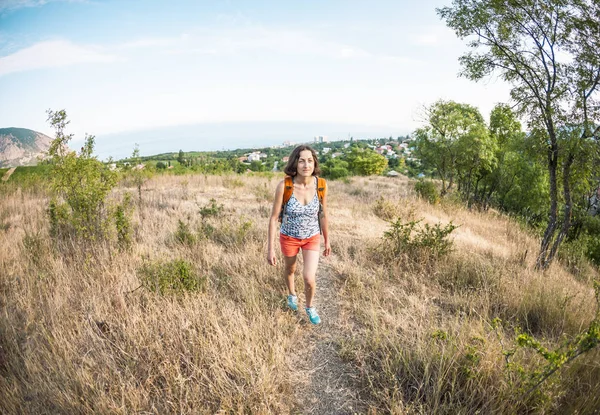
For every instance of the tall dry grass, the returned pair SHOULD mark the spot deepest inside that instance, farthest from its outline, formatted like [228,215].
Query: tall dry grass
[422,328]
[81,333]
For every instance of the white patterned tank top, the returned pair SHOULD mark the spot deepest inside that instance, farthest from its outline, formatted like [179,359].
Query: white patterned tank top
[301,221]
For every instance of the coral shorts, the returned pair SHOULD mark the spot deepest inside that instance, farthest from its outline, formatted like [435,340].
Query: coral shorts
[290,246]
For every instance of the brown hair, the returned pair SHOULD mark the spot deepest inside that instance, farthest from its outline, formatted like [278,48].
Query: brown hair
[291,168]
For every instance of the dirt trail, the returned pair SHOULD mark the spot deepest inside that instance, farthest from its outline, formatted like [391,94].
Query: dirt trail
[8,173]
[324,383]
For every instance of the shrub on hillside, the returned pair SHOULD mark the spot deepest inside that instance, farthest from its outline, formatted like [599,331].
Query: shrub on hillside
[80,185]
[212,209]
[174,276]
[413,240]
[184,235]
[426,190]
[122,217]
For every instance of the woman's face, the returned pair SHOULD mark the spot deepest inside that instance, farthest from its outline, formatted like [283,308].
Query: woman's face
[306,164]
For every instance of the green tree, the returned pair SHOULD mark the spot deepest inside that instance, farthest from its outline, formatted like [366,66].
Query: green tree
[181,157]
[456,143]
[335,168]
[365,162]
[256,165]
[138,172]
[80,186]
[547,52]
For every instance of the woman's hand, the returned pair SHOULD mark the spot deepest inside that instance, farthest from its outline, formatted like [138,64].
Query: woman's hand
[327,250]
[271,258]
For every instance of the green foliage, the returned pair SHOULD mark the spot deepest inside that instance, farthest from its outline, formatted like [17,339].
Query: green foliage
[583,244]
[553,360]
[172,277]
[257,165]
[29,177]
[122,216]
[184,235]
[574,253]
[161,166]
[212,209]
[138,173]
[80,185]
[181,157]
[556,92]
[409,238]
[593,250]
[427,190]
[365,162]
[335,168]
[456,142]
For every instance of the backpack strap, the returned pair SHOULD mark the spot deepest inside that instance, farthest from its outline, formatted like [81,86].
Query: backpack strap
[321,188]
[288,189]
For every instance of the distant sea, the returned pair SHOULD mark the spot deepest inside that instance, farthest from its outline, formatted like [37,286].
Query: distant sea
[231,136]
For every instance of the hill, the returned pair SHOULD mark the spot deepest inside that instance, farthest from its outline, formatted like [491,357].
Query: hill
[22,147]
[192,320]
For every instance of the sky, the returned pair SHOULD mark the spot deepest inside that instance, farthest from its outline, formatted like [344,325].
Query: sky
[124,68]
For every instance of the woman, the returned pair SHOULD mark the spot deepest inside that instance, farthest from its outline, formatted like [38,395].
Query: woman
[303,219]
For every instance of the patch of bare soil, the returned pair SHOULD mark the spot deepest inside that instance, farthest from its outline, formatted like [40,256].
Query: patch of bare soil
[325,384]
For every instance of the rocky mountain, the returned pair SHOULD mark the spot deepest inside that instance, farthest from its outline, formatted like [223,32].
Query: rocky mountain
[22,147]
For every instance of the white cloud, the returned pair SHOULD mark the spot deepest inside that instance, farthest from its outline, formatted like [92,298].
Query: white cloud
[51,54]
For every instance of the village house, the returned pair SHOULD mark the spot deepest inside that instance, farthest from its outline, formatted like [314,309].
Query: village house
[255,156]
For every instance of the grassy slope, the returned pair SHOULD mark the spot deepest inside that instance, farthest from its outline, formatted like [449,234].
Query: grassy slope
[77,334]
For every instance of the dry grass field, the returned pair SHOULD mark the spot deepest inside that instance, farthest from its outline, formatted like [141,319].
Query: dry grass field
[91,329]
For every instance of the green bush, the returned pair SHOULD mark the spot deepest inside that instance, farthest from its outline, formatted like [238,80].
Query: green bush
[426,190]
[408,238]
[160,166]
[212,209]
[184,235]
[593,250]
[80,185]
[175,276]
[122,217]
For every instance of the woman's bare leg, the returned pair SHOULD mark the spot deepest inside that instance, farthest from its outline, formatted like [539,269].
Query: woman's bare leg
[288,273]
[309,272]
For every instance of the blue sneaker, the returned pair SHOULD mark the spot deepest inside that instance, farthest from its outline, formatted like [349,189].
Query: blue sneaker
[292,302]
[314,318]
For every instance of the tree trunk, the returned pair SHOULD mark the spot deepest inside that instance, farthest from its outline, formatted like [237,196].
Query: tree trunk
[543,260]
[564,229]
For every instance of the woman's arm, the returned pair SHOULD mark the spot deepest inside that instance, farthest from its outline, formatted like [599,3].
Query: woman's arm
[325,226]
[271,258]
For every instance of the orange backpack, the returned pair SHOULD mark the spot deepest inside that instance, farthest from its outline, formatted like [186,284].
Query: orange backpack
[288,189]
